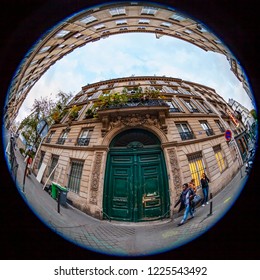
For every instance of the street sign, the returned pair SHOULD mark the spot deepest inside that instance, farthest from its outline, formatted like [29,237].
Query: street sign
[228,135]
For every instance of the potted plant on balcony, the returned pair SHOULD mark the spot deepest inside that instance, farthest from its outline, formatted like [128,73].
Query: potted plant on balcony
[74,112]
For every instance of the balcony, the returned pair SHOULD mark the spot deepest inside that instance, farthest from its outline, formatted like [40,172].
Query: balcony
[134,102]
[61,141]
[174,110]
[187,135]
[83,141]
[209,132]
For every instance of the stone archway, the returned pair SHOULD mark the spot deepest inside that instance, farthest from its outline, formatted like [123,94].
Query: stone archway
[136,185]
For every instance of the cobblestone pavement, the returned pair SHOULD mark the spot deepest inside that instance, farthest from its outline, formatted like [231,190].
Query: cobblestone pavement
[120,238]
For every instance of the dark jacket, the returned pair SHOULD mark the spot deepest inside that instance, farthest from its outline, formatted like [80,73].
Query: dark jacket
[204,182]
[188,193]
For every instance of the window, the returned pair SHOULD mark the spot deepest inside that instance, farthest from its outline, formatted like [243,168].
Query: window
[62,33]
[206,107]
[173,107]
[166,24]
[220,126]
[48,140]
[75,175]
[117,11]
[185,131]
[54,162]
[99,26]
[88,19]
[84,137]
[190,106]
[178,17]
[144,21]
[220,158]
[149,10]
[121,21]
[44,49]
[206,127]
[196,166]
[63,137]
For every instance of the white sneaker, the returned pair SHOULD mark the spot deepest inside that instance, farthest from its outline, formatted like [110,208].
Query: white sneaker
[203,205]
[207,203]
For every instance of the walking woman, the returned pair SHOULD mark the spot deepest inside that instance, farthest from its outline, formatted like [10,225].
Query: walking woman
[205,188]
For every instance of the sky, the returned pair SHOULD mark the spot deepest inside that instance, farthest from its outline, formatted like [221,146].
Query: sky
[136,54]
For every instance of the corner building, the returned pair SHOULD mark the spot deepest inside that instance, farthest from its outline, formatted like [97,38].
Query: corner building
[134,141]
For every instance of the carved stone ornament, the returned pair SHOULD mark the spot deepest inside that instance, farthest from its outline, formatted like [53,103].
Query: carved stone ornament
[133,120]
[175,170]
[95,178]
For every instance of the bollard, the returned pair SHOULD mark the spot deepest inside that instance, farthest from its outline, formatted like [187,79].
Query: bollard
[58,202]
[210,204]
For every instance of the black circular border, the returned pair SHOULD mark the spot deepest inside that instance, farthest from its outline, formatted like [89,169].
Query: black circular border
[23,236]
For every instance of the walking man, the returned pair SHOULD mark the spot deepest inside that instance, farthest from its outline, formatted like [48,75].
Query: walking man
[185,198]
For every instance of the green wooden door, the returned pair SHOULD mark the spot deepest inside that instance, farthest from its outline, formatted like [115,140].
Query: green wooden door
[136,185]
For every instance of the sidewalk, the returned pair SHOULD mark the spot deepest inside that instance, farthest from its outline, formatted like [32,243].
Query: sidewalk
[119,238]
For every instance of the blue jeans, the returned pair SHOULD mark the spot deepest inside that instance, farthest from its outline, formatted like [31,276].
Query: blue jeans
[205,195]
[188,209]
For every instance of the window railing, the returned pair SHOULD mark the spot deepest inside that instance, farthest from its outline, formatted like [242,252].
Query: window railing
[83,141]
[195,110]
[61,141]
[187,135]
[222,129]
[48,140]
[136,102]
[209,132]
[174,110]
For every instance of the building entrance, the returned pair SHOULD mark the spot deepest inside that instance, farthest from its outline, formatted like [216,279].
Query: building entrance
[136,184]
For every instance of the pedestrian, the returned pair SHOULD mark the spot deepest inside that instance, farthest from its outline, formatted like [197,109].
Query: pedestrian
[192,185]
[185,198]
[28,164]
[205,188]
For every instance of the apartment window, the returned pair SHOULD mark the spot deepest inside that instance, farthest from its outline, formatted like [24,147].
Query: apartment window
[206,128]
[62,33]
[84,137]
[99,26]
[166,24]
[121,21]
[205,107]
[220,126]
[88,19]
[63,137]
[75,175]
[173,107]
[178,17]
[144,21]
[197,166]
[44,49]
[185,131]
[48,140]
[220,158]
[149,10]
[117,11]
[191,107]
[54,162]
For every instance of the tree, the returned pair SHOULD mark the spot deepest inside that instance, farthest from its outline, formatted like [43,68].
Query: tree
[43,108]
[253,114]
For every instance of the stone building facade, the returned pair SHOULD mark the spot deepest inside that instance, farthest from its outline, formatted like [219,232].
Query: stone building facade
[134,141]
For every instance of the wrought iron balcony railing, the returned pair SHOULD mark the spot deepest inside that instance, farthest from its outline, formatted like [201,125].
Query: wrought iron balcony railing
[83,141]
[138,102]
[187,135]
[209,132]
[61,141]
